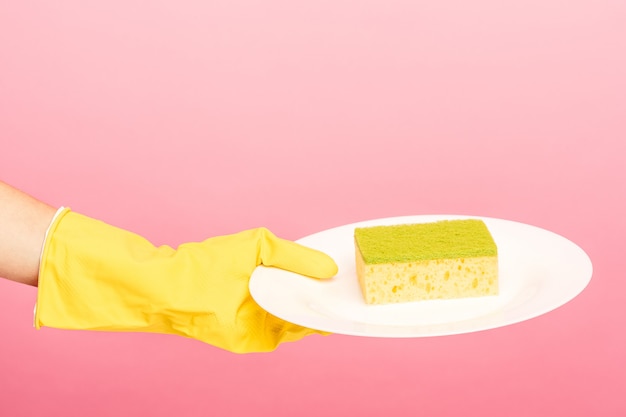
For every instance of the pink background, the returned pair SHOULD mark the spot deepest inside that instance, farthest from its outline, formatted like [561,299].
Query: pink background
[184,120]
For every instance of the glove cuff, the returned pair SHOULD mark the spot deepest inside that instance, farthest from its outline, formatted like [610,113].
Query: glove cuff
[94,276]
[62,211]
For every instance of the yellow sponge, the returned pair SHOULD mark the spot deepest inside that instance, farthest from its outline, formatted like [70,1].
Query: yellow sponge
[445,259]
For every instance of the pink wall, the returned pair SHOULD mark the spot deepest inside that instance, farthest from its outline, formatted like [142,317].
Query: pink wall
[181,121]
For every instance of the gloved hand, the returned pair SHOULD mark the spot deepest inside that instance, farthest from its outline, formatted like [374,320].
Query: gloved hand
[99,277]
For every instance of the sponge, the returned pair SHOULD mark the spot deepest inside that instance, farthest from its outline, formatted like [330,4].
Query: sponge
[423,261]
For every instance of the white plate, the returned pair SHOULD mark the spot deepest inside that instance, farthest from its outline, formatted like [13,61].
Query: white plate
[538,272]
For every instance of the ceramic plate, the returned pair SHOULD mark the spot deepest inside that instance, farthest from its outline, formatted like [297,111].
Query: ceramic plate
[538,272]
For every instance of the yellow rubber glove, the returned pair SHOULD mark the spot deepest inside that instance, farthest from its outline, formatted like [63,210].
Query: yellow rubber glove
[98,277]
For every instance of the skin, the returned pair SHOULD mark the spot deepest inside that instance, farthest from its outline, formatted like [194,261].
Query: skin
[24,221]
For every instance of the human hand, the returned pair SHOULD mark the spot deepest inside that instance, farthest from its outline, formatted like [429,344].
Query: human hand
[99,277]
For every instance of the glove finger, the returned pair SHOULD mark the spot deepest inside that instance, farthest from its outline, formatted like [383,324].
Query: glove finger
[291,256]
[281,331]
